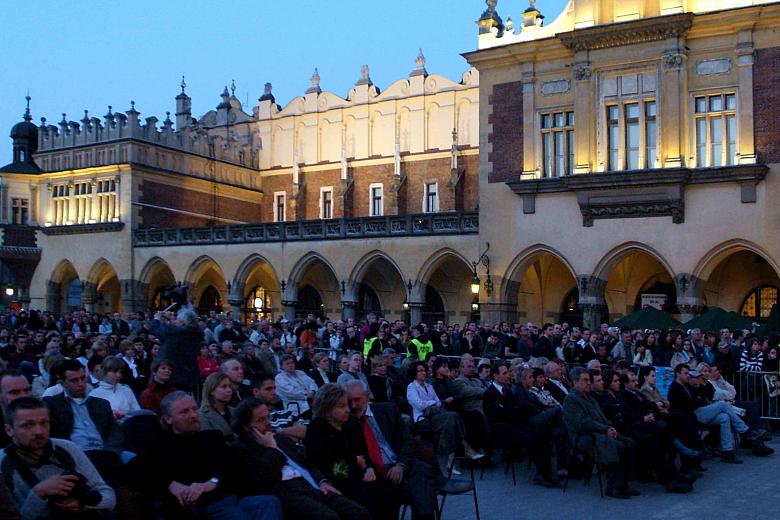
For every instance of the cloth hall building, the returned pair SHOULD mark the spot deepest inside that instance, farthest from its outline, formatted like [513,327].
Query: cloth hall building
[626,153]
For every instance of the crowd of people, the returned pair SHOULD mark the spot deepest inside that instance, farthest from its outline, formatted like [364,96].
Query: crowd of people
[178,415]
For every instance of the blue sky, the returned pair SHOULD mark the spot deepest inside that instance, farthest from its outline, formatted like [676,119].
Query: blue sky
[81,54]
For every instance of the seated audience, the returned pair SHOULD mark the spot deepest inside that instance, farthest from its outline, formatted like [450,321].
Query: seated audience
[119,395]
[159,385]
[215,412]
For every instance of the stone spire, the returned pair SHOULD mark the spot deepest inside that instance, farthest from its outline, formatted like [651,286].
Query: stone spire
[315,83]
[267,93]
[532,16]
[365,78]
[27,116]
[420,65]
[491,20]
[183,107]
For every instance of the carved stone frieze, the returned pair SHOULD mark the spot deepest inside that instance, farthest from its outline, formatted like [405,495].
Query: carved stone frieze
[621,34]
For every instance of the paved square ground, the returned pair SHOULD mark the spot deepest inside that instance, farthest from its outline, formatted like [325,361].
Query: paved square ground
[745,491]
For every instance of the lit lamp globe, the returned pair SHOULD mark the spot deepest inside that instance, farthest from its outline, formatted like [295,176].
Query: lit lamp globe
[475,285]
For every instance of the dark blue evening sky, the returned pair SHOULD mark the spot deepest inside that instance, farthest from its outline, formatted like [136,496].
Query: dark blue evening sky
[78,54]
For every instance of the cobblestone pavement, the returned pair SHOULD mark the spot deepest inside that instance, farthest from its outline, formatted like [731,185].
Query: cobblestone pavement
[745,491]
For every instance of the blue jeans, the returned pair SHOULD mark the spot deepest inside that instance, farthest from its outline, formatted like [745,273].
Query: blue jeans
[722,414]
[259,507]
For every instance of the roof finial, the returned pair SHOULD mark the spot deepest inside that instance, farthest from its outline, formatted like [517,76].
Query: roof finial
[27,116]
[315,83]
[183,84]
[233,87]
[420,60]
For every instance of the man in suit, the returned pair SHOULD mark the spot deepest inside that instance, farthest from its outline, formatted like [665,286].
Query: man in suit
[590,430]
[392,451]
[273,464]
[86,421]
[555,384]
[511,429]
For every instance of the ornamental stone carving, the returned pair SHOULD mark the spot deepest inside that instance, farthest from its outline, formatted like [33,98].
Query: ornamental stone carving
[582,73]
[673,60]
[550,88]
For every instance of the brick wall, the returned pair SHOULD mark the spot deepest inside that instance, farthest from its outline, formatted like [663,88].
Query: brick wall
[506,118]
[177,198]
[469,183]
[766,104]
[421,172]
[271,184]
[366,175]
[316,180]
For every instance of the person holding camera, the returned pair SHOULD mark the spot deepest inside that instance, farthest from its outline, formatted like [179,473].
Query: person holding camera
[49,478]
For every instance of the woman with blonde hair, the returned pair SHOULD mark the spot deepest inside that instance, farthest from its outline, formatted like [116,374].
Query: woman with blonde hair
[120,396]
[215,414]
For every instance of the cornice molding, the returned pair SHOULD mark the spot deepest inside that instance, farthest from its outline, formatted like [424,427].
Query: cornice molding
[78,229]
[626,33]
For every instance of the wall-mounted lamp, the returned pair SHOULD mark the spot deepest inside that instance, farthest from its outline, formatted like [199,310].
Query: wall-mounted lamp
[9,291]
[483,259]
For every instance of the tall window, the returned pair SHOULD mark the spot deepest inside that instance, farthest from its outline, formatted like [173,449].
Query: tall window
[716,129]
[431,202]
[557,144]
[19,210]
[60,194]
[326,202]
[376,206]
[631,135]
[82,199]
[280,206]
[758,304]
[106,201]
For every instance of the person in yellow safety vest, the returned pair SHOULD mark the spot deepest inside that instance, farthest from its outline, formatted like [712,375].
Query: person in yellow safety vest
[374,343]
[419,346]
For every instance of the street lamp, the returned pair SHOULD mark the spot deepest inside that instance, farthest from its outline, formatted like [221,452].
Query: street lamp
[406,305]
[483,259]
[9,291]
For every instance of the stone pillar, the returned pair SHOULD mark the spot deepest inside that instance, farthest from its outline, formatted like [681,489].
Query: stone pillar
[585,122]
[133,295]
[746,146]
[591,300]
[88,296]
[53,296]
[689,296]
[494,312]
[528,82]
[288,309]
[348,310]
[415,313]
[672,92]
[236,301]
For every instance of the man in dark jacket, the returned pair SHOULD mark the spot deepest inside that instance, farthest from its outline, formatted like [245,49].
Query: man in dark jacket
[86,421]
[275,465]
[505,423]
[391,449]
[179,344]
[590,431]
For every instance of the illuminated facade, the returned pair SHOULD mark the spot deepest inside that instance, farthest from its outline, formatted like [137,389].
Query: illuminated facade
[621,155]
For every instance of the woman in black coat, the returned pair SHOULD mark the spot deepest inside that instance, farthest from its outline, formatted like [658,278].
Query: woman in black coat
[335,444]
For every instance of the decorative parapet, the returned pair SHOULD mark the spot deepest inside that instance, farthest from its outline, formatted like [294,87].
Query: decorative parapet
[641,193]
[337,229]
[79,229]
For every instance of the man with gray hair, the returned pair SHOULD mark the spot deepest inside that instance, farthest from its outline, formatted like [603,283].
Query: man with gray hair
[590,431]
[179,344]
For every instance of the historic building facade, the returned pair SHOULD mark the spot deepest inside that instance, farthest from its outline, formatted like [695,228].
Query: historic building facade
[623,155]
[633,149]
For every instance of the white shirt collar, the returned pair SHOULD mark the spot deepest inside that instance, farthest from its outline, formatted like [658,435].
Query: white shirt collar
[498,387]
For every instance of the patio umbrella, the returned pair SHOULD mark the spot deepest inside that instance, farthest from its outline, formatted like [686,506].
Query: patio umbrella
[647,318]
[716,318]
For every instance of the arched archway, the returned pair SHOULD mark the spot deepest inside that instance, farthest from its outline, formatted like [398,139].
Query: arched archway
[64,288]
[537,282]
[315,272]
[103,282]
[207,284]
[158,278]
[379,275]
[634,274]
[446,279]
[257,282]
[739,276]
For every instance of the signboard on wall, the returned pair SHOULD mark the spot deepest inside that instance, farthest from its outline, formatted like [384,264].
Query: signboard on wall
[653,300]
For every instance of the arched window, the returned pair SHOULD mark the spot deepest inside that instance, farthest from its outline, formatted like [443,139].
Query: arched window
[210,300]
[570,310]
[309,302]
[759,301]
[368,301]
[434,306]
[257,303]
[73,295]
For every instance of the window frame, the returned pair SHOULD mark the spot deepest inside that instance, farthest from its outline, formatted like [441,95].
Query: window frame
[277,196]
[548,139]
[622,124]
[323,191]
[20,207]
[430,200]
[371,201]
[708,116]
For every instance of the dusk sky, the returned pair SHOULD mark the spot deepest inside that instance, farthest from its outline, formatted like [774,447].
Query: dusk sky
[81,54]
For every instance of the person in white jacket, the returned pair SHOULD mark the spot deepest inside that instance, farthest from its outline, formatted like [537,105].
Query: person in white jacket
[293,386]
[120,396]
